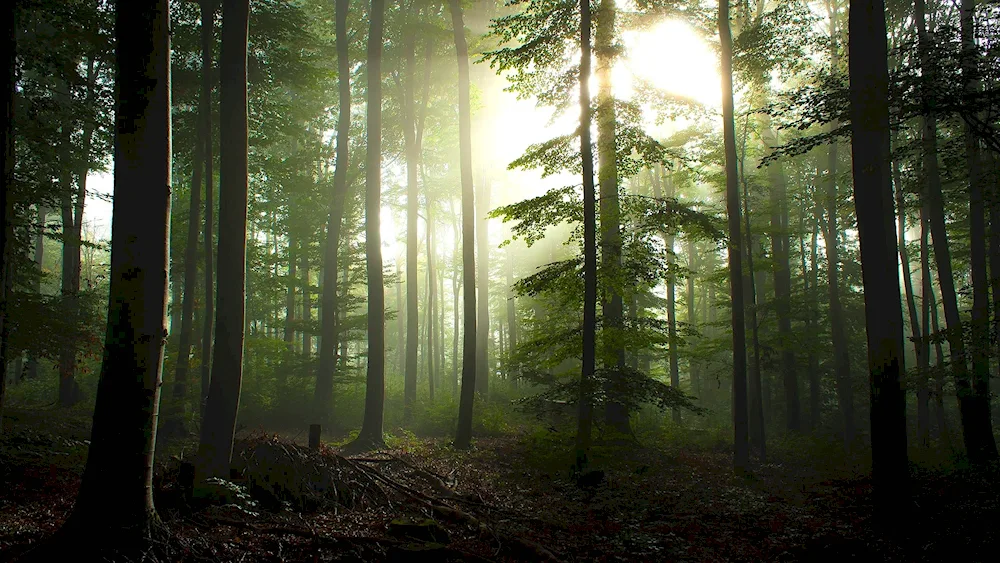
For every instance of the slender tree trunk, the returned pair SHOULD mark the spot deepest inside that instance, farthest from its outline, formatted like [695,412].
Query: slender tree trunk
[782,294]
[838,330]
[939,367]
[692,319]
[463,437]
[923,418]
[7,195]
[289,328]
[741,448]
[810,277]
[869,76]
[412,243]
[511,308]
[981,447]
[329,307]
[306,302]
[483,288]
[31,366]
[219,424]
[371,427]
[976,427]
[668,241]
[124,431]
[926,294]
[208,9]
[429,309]
[456,277]
[585,414]
[190,264]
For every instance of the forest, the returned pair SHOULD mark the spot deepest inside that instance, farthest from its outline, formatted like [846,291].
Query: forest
[500,280]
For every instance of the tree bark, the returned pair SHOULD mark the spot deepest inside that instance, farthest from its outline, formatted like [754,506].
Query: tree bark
[741,448]
[982,446]
[463,436]
[483,289]
[585,414]
[371,426]
[7,195]
[219,424]
[412,243]
[869,96]
[208,9]
[323,395]
[124,431]
[838,330]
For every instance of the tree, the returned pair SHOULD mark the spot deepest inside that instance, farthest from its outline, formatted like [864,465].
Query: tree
[7,195]
[585,407]
[463,436]
[219,423]
[208,9]
[328,320]
[869,99]
[371,427]
[838,330]
[124,431]
[983,447]
[741,449]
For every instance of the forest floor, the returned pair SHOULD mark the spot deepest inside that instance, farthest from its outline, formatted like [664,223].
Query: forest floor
[508,499]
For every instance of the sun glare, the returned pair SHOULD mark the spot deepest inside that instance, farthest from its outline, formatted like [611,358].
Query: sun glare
[672,57]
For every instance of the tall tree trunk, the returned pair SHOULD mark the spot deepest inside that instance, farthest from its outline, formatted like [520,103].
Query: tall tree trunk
[923,419]
[371,426]
[306,302]
[615,413]
[400,322]
[511,308]
[219,424]
[983,448]
[810,276]
[483,289]
[976,427]
[838,330]
[760,393]
[782,294]
[429,309]
[668,241]
[31,366]
[926,294]
[289,328]
[741,447]
[124,431]
[72,217]
[323,395]
[939,367]
[463,436]
[692,319]
[456,277]
[585,414]
[412,243]
[869,96]
[190,265]
[7,195]
[208,9]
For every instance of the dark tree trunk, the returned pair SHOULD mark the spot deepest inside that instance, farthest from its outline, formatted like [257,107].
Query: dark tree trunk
[782,295]
[306,302]
[976,427]
[869,96]
[585,414]
[219,423]
[692,319]
[463,437]
[190,263]
[923,420]
[371,425]
[124,431]
[668,241]
[741,447]
[429,309]
[323,395]
[939,367]
[613,355]
[838,330]
[31,366]
[7,195]
[208,9]
[981,447]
